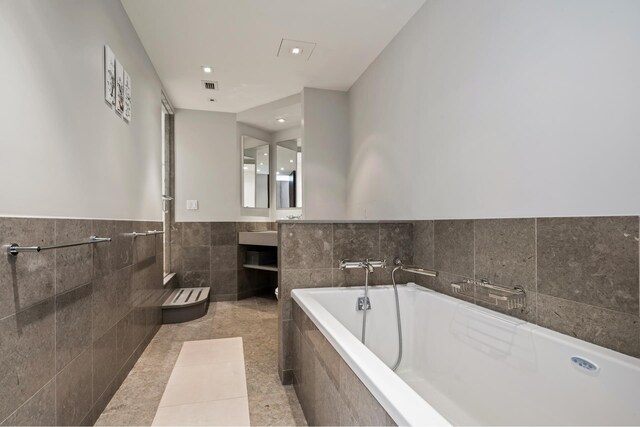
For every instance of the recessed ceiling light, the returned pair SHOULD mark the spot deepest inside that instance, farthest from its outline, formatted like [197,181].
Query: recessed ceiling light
[296,51]
[280,120]
[261,164]
[290,161]
[207,69]
[277,173]
[246,167]
[265,154]
[258,170]
[281,169]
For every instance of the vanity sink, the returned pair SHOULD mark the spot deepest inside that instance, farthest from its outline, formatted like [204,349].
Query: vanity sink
[258,238]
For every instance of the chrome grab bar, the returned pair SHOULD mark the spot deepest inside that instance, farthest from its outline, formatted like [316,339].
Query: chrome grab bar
[14,249]
[413,268]
[419,270]
[136,234]
[144,233]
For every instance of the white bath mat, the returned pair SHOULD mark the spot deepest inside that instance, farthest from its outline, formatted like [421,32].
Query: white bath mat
[207,386]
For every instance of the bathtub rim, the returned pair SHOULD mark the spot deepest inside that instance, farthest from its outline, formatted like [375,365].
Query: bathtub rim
[385,385]
[401,402]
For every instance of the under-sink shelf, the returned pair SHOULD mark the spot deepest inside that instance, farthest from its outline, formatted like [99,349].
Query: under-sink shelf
[267,267]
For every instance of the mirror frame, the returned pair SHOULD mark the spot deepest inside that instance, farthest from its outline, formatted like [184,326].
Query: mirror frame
[242,148]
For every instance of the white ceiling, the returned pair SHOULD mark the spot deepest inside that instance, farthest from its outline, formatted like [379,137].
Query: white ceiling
[265,116]
[240,40]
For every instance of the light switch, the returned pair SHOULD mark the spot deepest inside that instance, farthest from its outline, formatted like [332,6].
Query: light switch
[192,205]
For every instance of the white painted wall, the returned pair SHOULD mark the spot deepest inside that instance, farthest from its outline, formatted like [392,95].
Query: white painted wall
[500,108]
[208,152]
[287,134]
[63,151]
[207,166]
[325,153]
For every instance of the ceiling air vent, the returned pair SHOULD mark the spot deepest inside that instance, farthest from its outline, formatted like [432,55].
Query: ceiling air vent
[210,85]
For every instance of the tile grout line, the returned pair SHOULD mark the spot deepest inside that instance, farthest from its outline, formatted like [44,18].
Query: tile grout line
[55,321]
[535,284]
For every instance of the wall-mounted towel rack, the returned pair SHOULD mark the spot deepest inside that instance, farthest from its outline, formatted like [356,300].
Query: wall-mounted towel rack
[145,233]
[502,296]
[14,249]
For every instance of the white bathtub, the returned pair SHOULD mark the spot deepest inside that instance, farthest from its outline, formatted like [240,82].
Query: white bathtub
[466,365]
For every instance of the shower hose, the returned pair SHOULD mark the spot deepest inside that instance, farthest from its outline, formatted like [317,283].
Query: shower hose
[364,314]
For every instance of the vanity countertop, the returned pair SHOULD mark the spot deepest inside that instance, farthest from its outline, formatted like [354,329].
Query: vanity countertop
[258,238]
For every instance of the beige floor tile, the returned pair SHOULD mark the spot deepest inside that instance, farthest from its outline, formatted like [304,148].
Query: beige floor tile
[201,383]
[229,412]
[205,352]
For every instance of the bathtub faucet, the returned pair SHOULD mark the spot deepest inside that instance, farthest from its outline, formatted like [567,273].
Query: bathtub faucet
[367,264]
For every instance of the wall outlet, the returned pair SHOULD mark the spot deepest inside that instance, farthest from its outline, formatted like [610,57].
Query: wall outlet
[192,205]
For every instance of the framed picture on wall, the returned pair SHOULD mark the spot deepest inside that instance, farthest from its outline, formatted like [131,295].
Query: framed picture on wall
[127,97]
[119,87]
[109,76]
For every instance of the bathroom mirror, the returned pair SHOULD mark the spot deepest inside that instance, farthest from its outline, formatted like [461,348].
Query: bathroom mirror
[289,174]
[255,173]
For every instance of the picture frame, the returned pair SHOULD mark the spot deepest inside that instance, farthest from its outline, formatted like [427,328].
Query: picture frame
[109,76]
[127,97]
[119,88]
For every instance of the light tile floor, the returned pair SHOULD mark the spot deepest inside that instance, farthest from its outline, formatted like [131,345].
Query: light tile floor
[253,319]
[207,387]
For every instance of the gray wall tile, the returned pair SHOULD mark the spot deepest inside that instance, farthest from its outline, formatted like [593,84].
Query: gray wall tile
[74,265]
[590,260]
[453,247]
[104,302]
[423,244]
[73,391]
[63,329]
[224,257]
[105,362]
[28,278]
[27,359]
[297,279]
[505,252]
[224,282]
[196,234]
[196,258]
[122,244]
[195,279]
[355,242]
[396,241]
[39,410]
[608,328]
[223,233]
[73,324]
[103,253]
[124,339]
[306,246]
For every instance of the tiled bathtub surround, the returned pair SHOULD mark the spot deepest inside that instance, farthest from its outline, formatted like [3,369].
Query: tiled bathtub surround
[309,255]
[329,392]
[580,274]
[73,321]
[208,254]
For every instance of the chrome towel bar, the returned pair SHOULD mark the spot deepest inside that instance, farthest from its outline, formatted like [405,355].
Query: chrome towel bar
[14,249]
[144,233]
